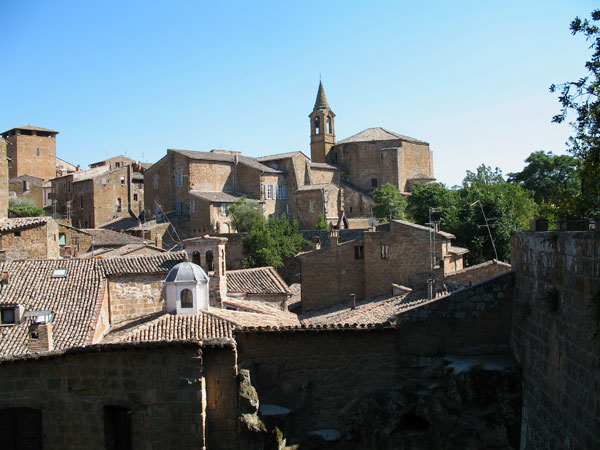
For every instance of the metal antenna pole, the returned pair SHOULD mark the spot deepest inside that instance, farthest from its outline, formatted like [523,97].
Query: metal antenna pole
[487,226]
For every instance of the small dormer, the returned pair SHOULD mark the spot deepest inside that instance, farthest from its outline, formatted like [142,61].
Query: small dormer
[187,289]
[10,314]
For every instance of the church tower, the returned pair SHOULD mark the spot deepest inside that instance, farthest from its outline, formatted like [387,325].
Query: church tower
[322,130]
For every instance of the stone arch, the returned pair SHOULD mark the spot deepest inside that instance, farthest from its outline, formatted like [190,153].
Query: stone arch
[196,257]
[209,261]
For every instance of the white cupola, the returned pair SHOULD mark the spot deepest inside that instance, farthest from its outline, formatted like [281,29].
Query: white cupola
[186,289]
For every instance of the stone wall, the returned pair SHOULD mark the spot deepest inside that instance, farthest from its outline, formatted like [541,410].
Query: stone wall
[177,394]
[33,193]
[555,320]
[161,190]
[212,176]
[479,272]
[135,296]
[3,180]
[32,155]
[326,376]
[38,242]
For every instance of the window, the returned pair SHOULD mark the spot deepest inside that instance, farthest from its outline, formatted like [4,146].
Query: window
[178,208]
[224,208]
[381,157]
[317,126]
[81,201]
[68,186]
[178,180]
[196,257]
[117,428]
[374,182]
[187,298]
[385,252]
[122,181]
[209,261]
[135,197]
[62,239]
[329,128]
[17,234]
[351,209]
[8,315]
[287,209]
[21,428]
[59,273]
[192,206]
[282,191]
[311,206]
[155,181]
[269,191]
[25,186]
[359,252]
[118,205]
[117,165]
[37,151]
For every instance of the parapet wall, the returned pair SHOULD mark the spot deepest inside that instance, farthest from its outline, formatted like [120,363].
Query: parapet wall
[557,284]
[478,273]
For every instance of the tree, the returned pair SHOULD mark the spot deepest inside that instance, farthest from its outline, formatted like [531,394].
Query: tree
[271,242]
[243,213]
[433,195]
[582,98]
[23,207]
[554,181]
[388,203]
[321,223]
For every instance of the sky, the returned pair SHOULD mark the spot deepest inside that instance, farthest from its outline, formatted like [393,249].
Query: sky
[140,77]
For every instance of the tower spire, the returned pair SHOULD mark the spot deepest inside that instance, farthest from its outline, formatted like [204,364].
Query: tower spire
[322,134]
[321,101]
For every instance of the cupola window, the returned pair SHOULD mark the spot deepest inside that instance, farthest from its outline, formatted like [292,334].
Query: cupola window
[187,298]
[317,126]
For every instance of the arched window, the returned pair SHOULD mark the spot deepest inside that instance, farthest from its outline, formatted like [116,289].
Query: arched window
[329,121]
[209,261]
[187,298]
[196,257]
[317,126]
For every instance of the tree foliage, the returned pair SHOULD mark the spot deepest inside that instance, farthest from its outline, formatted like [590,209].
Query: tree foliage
[271,242]
[388,203]
[506,206]
[321,223]
[581,97]
[243,213]
[24,208]
[554,181]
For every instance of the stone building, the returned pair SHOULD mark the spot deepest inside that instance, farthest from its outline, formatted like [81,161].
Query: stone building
[32,151]
[369,267]
[28,237]
[91,198]
[3,179]
[75,241]
[28,188]
[114,162]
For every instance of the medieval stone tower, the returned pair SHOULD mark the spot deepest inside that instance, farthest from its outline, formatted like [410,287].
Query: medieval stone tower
[322,129]
[32,151]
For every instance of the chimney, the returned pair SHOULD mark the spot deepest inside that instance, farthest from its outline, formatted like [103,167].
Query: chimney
[333,237]
[316,243]
[40,337]
[352,301]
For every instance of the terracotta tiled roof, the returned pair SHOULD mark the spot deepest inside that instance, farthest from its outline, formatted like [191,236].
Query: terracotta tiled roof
[75,299]
[32,128]
[260,280]
[151,264]
[315,165]
[296,299]
[281,156]
[458,250]
[262,307]
[171,327]
[22,222]
[35,181]
[244,319]
[315,187]
[378,134]
[107,238]
[369,312]
[123,251]
[226,157]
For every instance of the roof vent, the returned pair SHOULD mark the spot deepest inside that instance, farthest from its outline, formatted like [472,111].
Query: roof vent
[40,316]
[60,272]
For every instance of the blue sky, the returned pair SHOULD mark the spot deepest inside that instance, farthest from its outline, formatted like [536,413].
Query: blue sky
[138,77]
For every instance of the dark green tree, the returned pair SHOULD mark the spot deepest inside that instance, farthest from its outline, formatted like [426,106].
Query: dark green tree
[243,212]
[554,181]
[433,195]
[388,203]
[321,223]
[581,98]
[271,242]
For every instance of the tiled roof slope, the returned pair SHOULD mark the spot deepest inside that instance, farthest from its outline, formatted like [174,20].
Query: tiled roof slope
[146,264]
[35,181]
[124,251]
[75,299]
[281,156]
[33,128]
[172,327]
[260,280]
[226,157]
[243,319]
[103,238]
[219,197]
[378,134]
[21,222]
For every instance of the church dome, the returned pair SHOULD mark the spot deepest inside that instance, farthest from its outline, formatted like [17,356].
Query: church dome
[186,272]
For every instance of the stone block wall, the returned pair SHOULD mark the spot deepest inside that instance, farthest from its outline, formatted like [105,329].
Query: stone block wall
[3,179]
[479,272]
[162,385]
[162,193]
[413,158]
[40,242]
[557,295]
[107,188]
[213,176]
[33,194]
[135,296]
[32,155]
[317,373]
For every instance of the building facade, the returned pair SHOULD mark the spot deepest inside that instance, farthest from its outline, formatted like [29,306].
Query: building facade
[32,151]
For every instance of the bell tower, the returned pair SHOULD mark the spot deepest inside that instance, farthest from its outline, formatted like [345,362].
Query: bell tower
[322,129]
